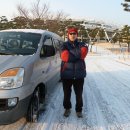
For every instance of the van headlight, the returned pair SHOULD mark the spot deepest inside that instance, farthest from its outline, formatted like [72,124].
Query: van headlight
[12,78]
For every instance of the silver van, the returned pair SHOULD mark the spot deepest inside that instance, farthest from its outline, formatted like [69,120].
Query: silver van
[29,68]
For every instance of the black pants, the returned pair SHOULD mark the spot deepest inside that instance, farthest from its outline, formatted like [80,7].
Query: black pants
[78,89]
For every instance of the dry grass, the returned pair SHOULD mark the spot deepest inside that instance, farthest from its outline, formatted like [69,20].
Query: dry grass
[107,45]
[114,48]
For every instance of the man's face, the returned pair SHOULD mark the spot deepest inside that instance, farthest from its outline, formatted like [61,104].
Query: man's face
[72,36]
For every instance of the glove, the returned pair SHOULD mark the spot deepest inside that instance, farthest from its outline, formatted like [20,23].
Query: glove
[65,55]
[84,51]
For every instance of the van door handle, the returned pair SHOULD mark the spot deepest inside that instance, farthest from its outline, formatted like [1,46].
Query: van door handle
[43,71]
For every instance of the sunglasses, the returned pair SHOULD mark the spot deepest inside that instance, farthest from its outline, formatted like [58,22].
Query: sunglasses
[72,33]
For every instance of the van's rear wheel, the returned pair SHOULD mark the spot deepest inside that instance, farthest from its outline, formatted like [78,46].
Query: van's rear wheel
[33,110]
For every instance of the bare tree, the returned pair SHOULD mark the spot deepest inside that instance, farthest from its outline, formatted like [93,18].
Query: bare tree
[61,16]
[39,16]
[38,10]
[23,11]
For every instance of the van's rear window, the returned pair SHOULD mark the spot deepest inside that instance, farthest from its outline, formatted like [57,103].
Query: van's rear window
[19,43]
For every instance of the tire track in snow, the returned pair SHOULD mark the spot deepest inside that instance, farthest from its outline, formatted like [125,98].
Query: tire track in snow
[110,115]
[123,96]
[47,118]
[94,119]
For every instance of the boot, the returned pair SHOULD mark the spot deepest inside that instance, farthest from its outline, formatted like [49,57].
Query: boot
[67,112]
[79,114]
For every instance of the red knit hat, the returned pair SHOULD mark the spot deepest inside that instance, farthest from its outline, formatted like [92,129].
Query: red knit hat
[70,30]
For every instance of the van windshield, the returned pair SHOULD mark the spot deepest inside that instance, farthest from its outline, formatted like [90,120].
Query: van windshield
[18,43]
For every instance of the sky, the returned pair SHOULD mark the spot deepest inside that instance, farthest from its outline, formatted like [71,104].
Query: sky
[109,11]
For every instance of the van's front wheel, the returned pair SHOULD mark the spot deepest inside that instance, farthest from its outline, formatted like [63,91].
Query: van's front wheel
[33,110]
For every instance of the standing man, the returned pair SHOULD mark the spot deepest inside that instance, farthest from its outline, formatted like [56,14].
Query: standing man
[73,71]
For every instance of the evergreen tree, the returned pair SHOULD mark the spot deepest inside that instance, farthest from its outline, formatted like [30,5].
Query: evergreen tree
[125,36]
[3,23]
[126,5]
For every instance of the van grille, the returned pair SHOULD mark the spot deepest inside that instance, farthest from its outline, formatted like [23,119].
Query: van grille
[3,104]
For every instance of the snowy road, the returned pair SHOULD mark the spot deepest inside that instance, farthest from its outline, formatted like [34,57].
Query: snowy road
[106,101]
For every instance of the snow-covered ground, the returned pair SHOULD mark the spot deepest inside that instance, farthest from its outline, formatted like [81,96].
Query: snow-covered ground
[106,99]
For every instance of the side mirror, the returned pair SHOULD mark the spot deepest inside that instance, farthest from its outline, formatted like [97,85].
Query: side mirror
[47,51]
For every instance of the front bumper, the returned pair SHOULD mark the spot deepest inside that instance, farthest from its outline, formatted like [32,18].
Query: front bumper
[10,115]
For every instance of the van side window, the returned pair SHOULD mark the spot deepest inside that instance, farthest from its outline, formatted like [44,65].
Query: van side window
[48,41]
[47,48]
